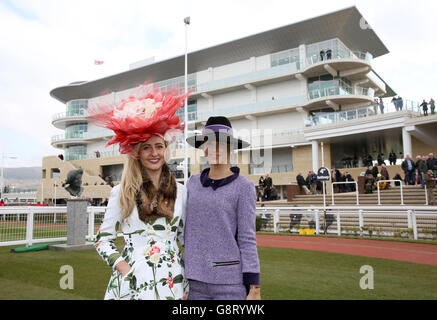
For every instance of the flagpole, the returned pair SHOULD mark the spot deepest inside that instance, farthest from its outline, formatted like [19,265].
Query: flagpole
[187,22]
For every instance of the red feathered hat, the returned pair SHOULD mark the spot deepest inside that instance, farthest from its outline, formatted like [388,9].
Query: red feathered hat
[149,112]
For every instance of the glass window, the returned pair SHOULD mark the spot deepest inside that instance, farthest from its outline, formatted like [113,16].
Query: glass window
[76,130]
[75,152]
[77,107]
[285,57]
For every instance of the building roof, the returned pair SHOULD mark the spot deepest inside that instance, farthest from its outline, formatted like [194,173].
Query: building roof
[347,25]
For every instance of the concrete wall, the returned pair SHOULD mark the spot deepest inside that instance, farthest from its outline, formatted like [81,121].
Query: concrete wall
[421,148]
[284,89]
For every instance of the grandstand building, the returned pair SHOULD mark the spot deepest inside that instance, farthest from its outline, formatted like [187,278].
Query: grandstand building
[290,90]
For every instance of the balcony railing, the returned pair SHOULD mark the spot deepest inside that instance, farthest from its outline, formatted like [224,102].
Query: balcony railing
[338,89]
[83,135]
[263,169]
[345,54]
[251,108]
[70,114]
[358,113]
[94,155]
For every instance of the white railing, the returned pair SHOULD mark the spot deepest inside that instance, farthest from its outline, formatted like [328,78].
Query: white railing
[346,182]
[379,193]
[28,225]
[313,215]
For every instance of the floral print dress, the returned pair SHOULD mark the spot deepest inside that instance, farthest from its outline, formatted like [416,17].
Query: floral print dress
[153,250]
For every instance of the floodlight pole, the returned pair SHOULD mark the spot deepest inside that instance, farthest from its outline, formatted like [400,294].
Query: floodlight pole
[186,22]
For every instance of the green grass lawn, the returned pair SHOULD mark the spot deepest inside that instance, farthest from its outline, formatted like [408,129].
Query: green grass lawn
[285,274]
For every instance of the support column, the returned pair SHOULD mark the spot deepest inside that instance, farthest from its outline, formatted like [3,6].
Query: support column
[406,143]
[315,155]
[302,56]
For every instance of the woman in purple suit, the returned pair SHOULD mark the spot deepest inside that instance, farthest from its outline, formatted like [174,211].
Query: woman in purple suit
[221,257]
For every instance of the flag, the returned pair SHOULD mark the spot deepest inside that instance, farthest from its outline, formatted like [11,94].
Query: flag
[97,62]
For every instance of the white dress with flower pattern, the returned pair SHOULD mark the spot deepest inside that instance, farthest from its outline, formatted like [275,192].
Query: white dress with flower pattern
[151,249]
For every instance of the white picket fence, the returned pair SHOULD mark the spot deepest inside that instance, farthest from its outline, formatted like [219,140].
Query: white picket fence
[408,216]
[29,225]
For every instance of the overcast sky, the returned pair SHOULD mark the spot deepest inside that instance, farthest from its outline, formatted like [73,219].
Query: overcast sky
[49,43]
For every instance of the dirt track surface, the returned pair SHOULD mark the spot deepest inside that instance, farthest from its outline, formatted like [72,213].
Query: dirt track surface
[401,251]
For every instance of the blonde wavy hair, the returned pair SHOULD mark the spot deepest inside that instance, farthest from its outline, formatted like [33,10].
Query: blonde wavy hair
[132,180]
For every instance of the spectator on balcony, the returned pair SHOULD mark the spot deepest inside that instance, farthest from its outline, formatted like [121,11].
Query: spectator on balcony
[424,106]
[368,171]
[375,171]
[432,164]
[97,154]
[336,173]
[384,172]
[343,186]
[322,55]
[313,182]
[328,54]
[260,188]
[355,161]
[422,168]
[380,159]
[381,105]
[382,185]
[409,169]
[302,184]
[400,103]
[369,160]
[432,105]
[375,106]
[61,156]
[268,184]
[392,158]
[395,101]
[397,177]
[351,187]
[369,184]
[430,185]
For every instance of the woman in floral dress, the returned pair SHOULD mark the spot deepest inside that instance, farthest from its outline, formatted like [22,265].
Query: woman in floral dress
[148,206]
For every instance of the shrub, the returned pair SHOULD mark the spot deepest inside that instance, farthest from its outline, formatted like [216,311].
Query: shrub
[258,223]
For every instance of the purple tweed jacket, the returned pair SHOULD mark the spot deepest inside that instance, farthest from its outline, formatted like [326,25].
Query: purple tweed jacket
[220,234]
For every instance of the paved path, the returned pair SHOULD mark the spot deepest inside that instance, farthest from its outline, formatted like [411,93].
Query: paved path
[401,251]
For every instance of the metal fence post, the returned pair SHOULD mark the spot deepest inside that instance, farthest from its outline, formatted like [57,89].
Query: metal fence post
[275,221]
[413,219]
[402,195]
[426,196]
[338,224]
[356,189]
[361,222]
[29,226]
[332,192]
[316,216]
[410,222]
[379,196]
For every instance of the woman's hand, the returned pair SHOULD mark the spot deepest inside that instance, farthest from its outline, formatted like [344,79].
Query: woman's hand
[123,267]
[254,293]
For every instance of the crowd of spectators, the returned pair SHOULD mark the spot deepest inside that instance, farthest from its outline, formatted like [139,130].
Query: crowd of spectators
[266,191]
